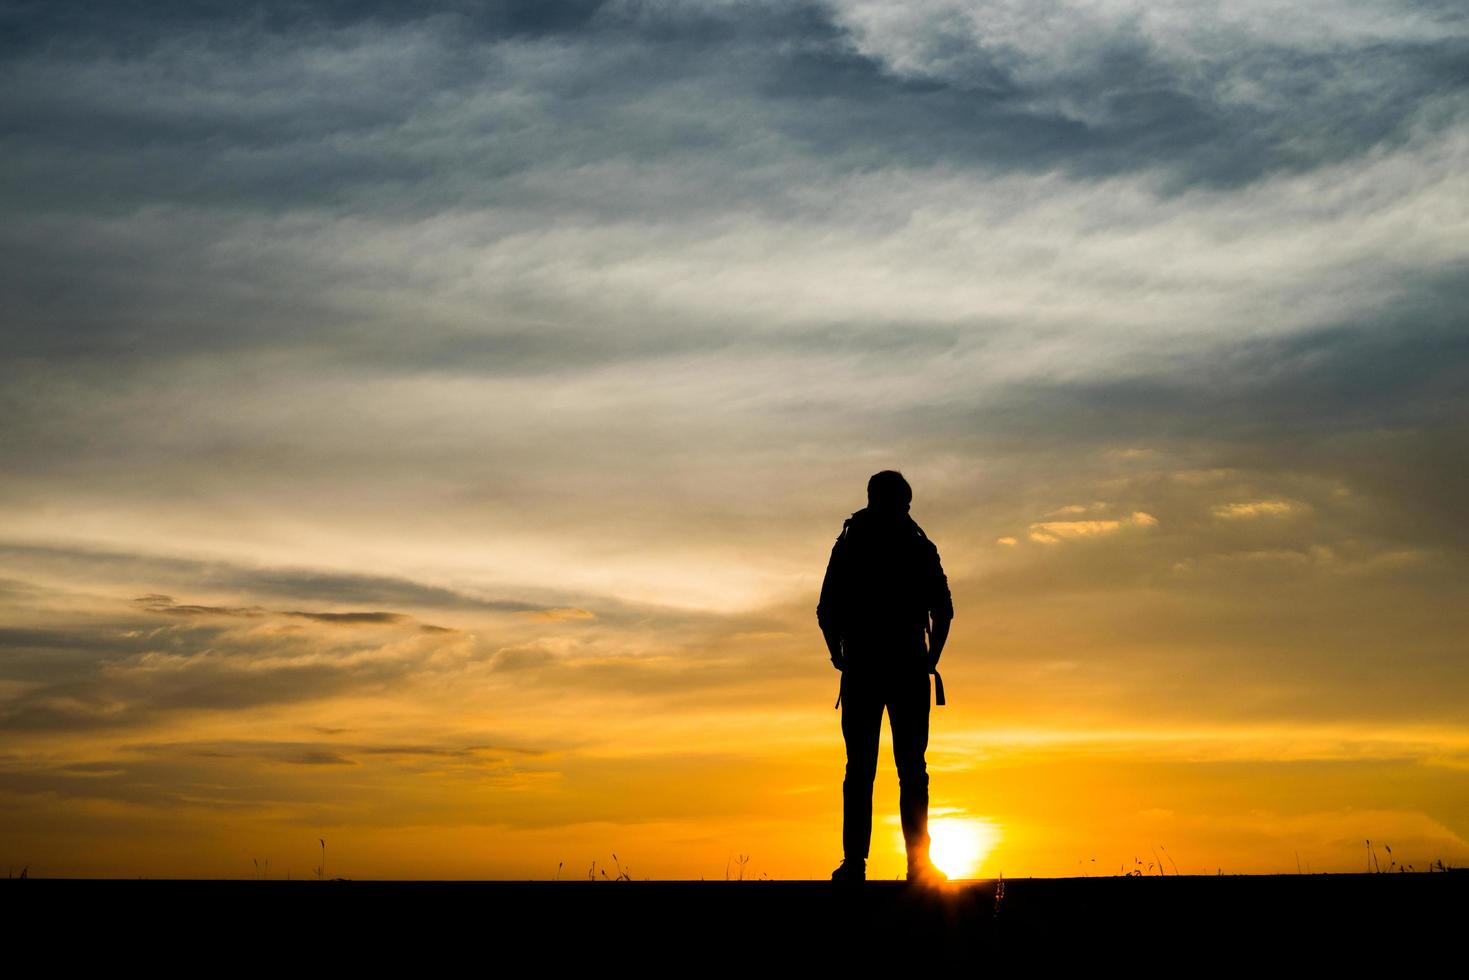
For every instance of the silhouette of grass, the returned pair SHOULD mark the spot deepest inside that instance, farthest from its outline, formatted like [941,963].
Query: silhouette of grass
[623,873]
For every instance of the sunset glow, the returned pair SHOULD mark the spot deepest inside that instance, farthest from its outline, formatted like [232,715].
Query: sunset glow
[961,846]
[425,432]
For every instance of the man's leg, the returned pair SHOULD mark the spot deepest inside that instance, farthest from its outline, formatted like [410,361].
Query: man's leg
[908,706]
[861,728]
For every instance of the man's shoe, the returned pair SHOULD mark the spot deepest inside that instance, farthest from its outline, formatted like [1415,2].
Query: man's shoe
[851,871]
[923,872]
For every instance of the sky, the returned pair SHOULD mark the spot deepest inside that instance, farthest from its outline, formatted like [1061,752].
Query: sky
[424,428]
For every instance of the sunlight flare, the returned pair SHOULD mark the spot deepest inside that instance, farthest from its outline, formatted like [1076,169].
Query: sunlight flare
[959,845]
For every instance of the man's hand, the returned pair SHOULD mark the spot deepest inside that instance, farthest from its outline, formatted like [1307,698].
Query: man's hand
[834,647]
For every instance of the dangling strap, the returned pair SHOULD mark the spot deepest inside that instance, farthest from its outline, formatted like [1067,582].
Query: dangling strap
[840,686]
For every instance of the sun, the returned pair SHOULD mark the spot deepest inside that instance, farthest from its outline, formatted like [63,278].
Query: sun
[959,845]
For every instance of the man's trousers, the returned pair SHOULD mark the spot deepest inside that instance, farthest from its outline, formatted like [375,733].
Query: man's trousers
[905,695]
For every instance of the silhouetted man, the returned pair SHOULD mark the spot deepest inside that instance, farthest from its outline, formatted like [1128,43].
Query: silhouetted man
[883,585]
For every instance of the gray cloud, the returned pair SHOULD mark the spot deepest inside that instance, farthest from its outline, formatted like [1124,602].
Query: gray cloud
[1399,367]
[354,618]
[239,774]
[319,104]
[276,583]
[126,671]
[131,695]
[147,150]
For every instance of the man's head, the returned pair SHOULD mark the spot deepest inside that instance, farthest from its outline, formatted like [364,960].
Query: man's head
[889,493]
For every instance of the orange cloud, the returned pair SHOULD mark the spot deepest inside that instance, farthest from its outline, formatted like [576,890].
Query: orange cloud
[1052,532]
[1256,508]
[561,613]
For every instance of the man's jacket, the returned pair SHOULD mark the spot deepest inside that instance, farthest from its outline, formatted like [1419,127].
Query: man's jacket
[883,582]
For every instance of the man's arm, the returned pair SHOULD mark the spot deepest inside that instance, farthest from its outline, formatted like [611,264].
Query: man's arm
[937,637]
[828,609]
[941,611]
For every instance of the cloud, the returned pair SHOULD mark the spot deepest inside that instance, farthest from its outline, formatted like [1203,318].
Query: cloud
[354,618]
[103,672]
[1255,508]
[102,675]
[1049,532]
[557,615]
[166,605]
[79,564]
[1052,532]
[290,753]
[302,164]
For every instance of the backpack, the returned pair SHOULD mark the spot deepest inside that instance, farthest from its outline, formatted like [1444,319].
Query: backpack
[883,579]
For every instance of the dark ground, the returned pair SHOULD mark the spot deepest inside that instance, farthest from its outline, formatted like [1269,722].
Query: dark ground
[737,925]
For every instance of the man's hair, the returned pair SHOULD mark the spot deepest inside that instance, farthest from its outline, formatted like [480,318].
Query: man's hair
[888,489]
